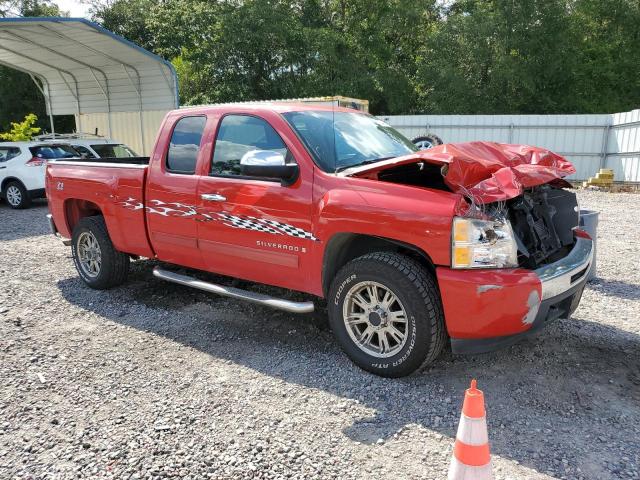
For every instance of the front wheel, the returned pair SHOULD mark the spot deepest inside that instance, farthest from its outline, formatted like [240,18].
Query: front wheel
[385,311]
[99,264]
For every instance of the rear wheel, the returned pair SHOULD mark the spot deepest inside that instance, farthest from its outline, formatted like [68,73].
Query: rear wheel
[17,195]
[99,264]
[385,311]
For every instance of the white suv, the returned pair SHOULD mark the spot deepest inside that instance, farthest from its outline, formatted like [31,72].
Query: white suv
[22,169]
[91,146]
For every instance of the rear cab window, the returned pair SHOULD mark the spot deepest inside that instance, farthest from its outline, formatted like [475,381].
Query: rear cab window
[184,146]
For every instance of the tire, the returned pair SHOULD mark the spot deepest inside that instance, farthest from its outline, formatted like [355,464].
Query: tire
[417,296]
[426,141]
[102,267]
[16,195]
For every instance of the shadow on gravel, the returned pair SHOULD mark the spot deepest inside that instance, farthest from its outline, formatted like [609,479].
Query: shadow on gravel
[30,222]
[615,288]
[567,395]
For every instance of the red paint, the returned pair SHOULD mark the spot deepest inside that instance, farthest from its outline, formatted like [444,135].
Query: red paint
[486,303]
[485,170]
[194,232]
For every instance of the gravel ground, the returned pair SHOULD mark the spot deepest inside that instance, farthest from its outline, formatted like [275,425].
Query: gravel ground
[153,380]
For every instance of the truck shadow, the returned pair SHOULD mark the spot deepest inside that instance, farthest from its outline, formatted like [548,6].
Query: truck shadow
[548,396]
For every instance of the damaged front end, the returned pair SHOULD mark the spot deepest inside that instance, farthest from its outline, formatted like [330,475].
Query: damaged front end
[518,259]
[543,220]
[515,194]
[540,223]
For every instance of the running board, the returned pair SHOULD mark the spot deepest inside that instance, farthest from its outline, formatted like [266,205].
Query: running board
[279,303]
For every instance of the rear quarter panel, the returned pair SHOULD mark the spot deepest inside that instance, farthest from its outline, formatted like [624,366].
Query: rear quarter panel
[116,191]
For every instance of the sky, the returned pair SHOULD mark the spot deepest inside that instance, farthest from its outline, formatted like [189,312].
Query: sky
[74,7]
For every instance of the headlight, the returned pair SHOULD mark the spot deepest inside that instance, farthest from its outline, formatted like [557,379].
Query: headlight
[483,244]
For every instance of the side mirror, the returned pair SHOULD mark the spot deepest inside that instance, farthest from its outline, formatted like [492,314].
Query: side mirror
[268,164]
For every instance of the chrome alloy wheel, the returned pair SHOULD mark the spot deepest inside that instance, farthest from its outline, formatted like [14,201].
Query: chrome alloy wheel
[89,254]
[14,195]
[375,319]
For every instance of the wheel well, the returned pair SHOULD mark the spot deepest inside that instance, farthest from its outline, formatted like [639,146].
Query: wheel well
[8,180]
[344,247]
[76,209]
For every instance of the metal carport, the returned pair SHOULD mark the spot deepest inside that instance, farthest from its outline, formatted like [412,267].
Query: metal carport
[85,70]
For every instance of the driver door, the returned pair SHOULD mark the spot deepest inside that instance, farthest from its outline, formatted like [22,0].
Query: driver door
[250,227]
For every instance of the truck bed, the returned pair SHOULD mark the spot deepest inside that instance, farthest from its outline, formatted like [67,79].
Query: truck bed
[113,187]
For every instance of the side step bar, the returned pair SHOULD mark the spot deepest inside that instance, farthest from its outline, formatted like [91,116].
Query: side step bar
[279,303]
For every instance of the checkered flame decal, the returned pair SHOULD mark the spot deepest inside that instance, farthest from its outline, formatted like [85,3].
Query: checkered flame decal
[267,226]
[174,209]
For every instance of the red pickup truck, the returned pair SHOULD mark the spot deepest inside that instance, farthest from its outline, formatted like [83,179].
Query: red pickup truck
[475,244]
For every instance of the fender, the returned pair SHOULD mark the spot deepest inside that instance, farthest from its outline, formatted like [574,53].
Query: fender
[419,219]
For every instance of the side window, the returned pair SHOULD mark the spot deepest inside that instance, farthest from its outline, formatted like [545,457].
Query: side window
[7,153]
[239,134]
[84,151]
[185,145]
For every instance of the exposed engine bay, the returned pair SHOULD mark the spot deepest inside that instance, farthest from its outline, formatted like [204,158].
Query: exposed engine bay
[542,217]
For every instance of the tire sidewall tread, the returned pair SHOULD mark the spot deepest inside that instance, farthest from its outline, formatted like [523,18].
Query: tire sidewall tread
[114,265]
[417,291]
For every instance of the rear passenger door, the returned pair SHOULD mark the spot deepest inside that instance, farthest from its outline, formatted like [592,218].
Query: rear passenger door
[170,201]
[254,228]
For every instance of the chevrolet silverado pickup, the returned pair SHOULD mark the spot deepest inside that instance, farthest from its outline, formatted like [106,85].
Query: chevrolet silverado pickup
[472,244]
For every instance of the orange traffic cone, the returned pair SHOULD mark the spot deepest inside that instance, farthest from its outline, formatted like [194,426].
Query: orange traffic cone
[471,458]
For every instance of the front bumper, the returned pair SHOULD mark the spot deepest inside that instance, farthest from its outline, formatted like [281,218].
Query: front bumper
[490,309]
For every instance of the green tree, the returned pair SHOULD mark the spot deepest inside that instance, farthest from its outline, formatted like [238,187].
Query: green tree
[499,56]
[22,131]
[405,56]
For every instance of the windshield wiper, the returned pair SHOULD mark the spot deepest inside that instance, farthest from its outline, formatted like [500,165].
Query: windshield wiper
[366,162]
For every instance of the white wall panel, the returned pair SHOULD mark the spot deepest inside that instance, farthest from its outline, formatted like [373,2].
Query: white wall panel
[589,141]
[126,127]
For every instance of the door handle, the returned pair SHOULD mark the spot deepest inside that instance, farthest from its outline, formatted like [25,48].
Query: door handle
[213,197]
[2,167]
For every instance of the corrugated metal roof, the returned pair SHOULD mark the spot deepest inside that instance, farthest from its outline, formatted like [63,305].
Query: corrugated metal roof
[85,68]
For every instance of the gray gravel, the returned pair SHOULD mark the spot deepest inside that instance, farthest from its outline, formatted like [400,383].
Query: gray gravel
[153,380]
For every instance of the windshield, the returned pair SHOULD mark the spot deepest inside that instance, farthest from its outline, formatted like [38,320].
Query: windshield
[339,140]
[105,150]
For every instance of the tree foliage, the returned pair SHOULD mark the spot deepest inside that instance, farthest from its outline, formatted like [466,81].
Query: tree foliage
[404,56]
[22,131]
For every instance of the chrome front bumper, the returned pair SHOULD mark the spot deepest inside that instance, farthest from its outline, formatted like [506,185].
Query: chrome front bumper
[560,276]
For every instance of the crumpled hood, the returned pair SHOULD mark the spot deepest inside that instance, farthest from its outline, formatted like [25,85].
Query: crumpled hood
[487,171]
